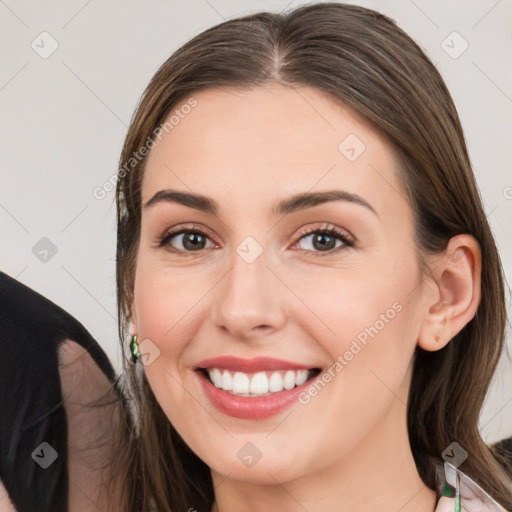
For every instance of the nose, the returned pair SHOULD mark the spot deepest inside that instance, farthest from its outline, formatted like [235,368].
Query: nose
[249,302]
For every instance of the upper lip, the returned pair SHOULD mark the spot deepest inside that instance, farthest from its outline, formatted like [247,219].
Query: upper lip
[251,365]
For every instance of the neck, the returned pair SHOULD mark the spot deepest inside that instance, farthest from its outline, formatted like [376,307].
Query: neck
[378,474]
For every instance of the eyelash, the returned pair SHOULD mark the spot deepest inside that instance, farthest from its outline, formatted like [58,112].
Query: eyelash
[329,230]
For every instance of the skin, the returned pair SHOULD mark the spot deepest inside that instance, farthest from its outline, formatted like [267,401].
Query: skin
[5,503]
[347,449]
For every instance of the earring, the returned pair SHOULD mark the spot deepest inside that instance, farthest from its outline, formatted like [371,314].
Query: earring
[136,356]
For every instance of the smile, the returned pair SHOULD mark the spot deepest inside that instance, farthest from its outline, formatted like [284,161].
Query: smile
[253,389]
[257,384]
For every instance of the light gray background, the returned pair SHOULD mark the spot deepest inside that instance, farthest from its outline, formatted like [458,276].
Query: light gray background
[63,119]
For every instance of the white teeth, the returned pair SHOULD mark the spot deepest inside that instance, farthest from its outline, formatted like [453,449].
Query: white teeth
[302,376]
[275,382]
[216,377]
[240,383]
[257,384]
[289,380]
[227,381]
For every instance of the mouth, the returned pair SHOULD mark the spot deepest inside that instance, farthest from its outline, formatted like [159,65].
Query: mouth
[253,389]
[257,384]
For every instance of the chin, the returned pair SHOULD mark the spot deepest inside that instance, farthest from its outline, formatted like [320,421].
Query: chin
[264,470]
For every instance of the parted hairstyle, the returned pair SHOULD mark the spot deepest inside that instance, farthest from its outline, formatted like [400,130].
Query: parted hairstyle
[363,60]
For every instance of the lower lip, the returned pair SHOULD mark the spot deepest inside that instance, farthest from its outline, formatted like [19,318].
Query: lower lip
[251,408]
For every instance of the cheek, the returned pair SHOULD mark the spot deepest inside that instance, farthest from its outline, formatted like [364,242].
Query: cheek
[167,301]
[371,354]
[164,318]
[367,324]
[347,307]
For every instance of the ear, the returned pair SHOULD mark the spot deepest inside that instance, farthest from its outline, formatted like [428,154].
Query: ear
[452,292]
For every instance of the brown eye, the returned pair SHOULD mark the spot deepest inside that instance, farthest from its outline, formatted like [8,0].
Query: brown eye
[184,240]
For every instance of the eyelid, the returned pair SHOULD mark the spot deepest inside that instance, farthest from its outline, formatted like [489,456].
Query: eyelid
[326,226]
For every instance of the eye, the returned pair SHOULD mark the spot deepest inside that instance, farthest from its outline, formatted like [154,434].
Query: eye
[323,240]
[191,238]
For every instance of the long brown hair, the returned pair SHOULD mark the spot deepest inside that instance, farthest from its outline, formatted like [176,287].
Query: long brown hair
[364,60]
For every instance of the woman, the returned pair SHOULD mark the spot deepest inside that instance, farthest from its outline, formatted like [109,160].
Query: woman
[297,212]
[312,293]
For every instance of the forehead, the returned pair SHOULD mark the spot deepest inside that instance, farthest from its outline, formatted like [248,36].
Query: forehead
[269,140]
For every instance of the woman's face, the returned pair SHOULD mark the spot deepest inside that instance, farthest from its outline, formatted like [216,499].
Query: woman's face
[253,284]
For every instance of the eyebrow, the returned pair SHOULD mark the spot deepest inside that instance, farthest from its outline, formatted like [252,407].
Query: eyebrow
[292,204]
